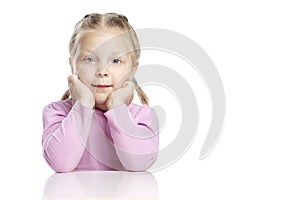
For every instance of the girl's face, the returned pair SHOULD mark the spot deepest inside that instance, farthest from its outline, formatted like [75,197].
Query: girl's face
[103,63]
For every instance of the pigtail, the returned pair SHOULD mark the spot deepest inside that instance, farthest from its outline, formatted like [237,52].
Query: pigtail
[142,96]
[66,95]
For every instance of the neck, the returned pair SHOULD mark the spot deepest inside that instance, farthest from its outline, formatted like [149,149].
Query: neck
[101,107]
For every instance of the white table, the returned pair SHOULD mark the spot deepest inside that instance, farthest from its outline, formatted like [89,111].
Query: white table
[101,185]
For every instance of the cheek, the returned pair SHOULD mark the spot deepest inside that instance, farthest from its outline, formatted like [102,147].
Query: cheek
[120,78]
[86,75]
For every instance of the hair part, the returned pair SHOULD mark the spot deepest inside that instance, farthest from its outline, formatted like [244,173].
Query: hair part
[104,23]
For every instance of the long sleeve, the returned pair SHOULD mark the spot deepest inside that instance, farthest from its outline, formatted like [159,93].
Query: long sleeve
[65,131]
[135,136]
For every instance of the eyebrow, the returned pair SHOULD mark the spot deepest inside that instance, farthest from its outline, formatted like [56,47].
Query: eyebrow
[116,51]
[113,54]
[82,52]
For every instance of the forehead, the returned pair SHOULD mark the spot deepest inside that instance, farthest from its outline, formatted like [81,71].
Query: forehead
[104,43]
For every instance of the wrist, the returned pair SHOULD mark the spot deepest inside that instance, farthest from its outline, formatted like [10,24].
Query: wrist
[115,103]
[87,103]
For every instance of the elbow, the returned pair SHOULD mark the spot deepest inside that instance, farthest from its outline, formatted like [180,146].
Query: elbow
[135,168]
[60,165]
[63,168]
[138,163]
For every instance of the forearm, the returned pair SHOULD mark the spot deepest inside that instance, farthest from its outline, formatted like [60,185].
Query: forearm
[63,149]
[136,142]
[64,138]
[134,160]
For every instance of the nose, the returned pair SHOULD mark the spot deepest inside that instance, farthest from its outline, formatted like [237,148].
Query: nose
[102,73]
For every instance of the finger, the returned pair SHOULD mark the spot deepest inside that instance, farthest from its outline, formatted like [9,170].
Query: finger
[72,79]
[131,99]
[129,84]
[71,83]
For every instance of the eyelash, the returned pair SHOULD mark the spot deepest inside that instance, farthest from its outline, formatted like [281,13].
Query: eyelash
[89,60]
[116,59]
[93,60]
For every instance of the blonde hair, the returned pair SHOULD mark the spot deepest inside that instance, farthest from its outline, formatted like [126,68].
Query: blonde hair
[106,22]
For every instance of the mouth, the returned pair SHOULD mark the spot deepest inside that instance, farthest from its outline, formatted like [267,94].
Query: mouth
[101,86]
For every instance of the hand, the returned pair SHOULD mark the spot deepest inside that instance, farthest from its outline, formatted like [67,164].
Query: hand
[123,95]
[79,92]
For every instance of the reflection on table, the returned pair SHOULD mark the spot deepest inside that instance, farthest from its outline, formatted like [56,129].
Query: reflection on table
[101,185]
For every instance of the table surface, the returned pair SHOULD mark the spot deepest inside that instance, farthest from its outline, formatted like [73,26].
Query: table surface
[101,185]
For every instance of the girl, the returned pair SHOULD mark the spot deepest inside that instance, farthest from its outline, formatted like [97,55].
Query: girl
[98,128]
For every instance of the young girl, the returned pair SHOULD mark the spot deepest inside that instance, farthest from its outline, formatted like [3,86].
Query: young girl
[98,128]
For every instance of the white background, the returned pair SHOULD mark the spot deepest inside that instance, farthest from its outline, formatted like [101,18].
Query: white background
[255,46]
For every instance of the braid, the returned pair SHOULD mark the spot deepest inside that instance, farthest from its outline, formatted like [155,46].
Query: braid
[66,95]
[142,96]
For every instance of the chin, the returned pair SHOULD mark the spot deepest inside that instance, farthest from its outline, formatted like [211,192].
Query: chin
[100,98]
[100,101]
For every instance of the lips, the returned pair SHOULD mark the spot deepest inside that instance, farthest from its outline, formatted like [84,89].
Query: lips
[102,86]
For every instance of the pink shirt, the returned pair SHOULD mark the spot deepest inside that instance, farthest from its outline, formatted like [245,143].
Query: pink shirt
[78,138]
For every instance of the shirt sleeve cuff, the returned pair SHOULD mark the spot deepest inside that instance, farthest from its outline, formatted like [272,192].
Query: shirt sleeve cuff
[84,111]
[119,109]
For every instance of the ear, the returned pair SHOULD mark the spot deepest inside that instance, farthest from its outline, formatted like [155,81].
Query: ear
[71,65]
[133,70]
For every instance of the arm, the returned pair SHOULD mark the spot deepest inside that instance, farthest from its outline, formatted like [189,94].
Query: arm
[135,136]
[63,146]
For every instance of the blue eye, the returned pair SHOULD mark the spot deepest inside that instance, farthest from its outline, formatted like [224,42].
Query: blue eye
[89,60]
[116,61]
